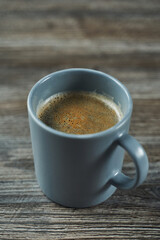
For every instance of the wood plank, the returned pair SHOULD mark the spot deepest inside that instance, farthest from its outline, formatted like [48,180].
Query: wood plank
[125,20]
[49,58]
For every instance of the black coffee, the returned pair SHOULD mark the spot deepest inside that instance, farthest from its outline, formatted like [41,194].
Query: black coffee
[79,112]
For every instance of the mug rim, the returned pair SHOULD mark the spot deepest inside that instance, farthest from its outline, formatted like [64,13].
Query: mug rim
[80,136]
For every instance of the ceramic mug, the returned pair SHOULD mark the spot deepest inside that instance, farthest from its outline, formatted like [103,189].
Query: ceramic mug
[83,170]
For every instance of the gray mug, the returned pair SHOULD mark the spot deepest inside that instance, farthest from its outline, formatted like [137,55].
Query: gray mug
[83,170]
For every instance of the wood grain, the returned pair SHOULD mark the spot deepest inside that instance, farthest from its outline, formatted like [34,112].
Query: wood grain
[39,37]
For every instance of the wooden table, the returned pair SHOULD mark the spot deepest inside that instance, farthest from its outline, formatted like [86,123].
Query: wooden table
[39,37]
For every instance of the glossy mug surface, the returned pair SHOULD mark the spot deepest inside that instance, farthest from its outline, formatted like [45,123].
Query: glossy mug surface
[83,170]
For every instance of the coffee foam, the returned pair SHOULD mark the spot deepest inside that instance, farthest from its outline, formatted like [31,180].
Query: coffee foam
[48,106]
[106,99]
[109,101]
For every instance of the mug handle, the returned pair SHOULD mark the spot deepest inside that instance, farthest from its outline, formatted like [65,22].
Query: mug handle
[139,156]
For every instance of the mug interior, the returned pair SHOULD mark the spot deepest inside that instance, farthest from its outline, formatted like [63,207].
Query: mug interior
[80,80]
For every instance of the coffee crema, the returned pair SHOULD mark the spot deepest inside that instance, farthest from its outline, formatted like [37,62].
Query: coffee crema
[79,112]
